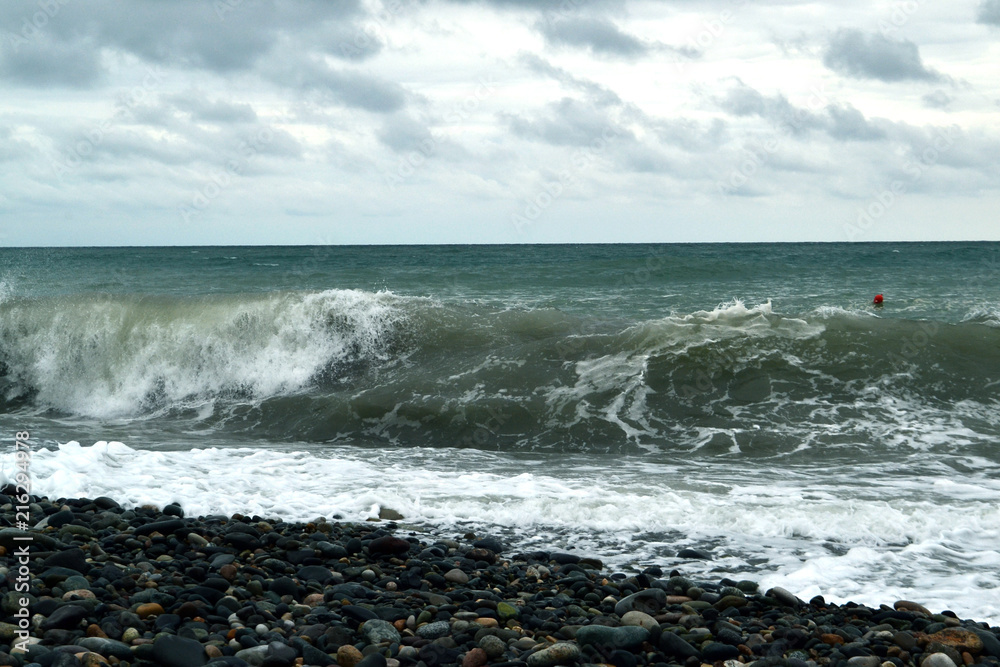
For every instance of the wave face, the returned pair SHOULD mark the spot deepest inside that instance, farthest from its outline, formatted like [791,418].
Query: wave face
[376,367]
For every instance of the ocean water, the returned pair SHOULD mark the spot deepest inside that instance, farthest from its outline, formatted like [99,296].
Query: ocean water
[746,400]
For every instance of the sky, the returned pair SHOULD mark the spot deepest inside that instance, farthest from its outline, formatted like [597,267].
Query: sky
[189,122]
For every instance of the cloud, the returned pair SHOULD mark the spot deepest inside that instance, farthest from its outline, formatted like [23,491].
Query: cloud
[989,12]
[600,36]
[216,111]
[598,94]
[567,122]
[839,121]
[350,88]
[402,133]
[857,55]
[937,100]
[42,62]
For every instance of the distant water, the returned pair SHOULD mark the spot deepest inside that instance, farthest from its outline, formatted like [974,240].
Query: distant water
[623,401]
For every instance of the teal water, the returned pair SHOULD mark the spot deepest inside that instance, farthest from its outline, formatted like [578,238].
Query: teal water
[747,399]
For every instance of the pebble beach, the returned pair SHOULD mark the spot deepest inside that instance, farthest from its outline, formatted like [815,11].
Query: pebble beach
[150,586]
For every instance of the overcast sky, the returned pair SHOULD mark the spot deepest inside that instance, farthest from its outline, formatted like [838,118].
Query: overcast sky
[493,121]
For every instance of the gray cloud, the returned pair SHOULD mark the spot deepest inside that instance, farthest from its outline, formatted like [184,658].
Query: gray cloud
[350,88]
[599,35]
[853,53]
[42,62]
[598,94]
[989,12]
[937,100]
[216,36]
[201,107]
[567,122]
[402,133]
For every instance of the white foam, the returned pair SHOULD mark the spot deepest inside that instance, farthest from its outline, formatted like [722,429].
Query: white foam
[865,533]
[105,358]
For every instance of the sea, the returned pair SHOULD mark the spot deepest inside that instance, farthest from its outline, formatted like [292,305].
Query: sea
[625,402]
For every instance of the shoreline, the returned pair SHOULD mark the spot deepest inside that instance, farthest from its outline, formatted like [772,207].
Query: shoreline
[147,586]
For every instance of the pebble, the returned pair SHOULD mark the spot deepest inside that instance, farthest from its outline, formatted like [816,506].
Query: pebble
[493,646]
[475,658]
[456,576]
[937,660]
[378,631]
[152,588]
[562,653]
[621,637]
[348,656]
[641,619]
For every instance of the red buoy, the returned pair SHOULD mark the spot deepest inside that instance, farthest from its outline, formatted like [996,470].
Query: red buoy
[878,300]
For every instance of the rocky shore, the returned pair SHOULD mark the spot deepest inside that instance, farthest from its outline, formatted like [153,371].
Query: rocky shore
[149,586]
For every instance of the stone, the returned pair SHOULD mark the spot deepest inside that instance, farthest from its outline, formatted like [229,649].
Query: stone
[280,654]
[491,543]
[254,655]
[563,653]
[642,619]
[693,554]
[456,576]
[388,546]
[783,596]
[90,659]
[387,514]
[475,658]
[105,503]
[493,646]
[166,527]
[507,611]
[728,601]
[373,660]
[196,540]
[991,644]
[715,651]
[434,630]
[66,617]
[348,656]
[74,559]
[149,609]
[675,646]
[958,639]
[864,661]
[106,647]
[377,631]
[937,660]
[649,601]
[906,605]
[60,518]
[284,586]
[626,636]
[174,651]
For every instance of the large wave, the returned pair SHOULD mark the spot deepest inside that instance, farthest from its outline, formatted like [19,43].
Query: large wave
[346,365]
